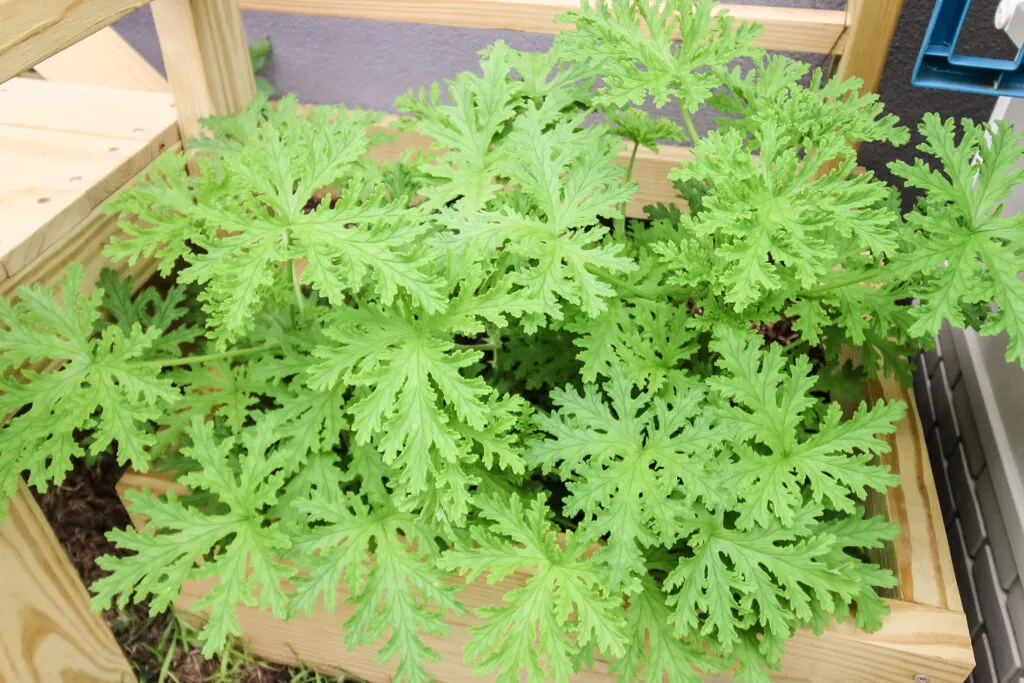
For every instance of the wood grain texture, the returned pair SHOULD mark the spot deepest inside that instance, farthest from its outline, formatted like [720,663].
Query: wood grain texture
[206,57]
[104,58]
[32,30]
[786,28]
[47,632]
[871,26]
[924,563]
[84,245]
[64,148]
[650,170]
[918,638]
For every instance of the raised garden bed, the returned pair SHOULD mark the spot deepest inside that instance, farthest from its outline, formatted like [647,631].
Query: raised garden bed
[925,635]
[417,247]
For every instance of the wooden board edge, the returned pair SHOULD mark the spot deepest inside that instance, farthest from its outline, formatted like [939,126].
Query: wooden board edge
[84,209]
[48,631]
[794,29]
[84,243]
[104,58]
[915,639]
[925,567]
[650,170]
[32,30]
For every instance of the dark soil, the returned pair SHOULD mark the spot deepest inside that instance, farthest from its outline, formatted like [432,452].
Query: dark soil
[81,511]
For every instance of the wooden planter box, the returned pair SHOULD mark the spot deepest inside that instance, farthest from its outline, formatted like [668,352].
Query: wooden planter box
[48,206]
[925,639]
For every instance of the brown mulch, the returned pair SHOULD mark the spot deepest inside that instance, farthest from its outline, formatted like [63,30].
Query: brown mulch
[81,511]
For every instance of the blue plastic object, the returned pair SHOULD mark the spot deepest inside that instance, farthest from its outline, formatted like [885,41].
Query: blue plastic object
[939,65]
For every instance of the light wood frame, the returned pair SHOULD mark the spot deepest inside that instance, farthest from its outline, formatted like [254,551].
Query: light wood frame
[204,44]
[208,69]
[925,635]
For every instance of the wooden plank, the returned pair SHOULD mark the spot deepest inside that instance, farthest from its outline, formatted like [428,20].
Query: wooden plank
[85,109]
[64,148]
[32,30]
[924,563]
[871,26]
[915,640]
[104,58]
[206,57]
[786,28]
[927,638]
[650,170]
[47,631]
[82,244]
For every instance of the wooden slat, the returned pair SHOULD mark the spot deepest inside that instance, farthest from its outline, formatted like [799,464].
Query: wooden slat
[924,563]
[786,28]
[104,58]
[871,26]
[928,636]
[650,170]
[64,148]
[207,58]
[84,109]
[32,30]
[47,632]
[914,640]
[83,244]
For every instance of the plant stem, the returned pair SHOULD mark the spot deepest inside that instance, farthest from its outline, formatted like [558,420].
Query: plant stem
[299,299]
[691,131]
[629,173]
[859,277]
[203,358]
[654,294]
[566,522]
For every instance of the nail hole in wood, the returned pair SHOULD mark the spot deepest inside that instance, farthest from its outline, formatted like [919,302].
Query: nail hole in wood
[113,149]
[138,130]
[42,200]
[75,179]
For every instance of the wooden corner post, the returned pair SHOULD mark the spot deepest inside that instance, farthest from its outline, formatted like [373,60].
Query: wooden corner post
[206,57]
[870,25]
[47,631]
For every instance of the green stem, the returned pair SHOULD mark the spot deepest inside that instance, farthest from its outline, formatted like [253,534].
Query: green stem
[855,279]
[691,131]
[632,161]
[566,522]
[490,346]
[203,358]
[654,294]
[299,299]
[629,173]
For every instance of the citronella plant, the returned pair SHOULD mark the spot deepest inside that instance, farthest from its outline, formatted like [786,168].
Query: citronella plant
[374,377]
